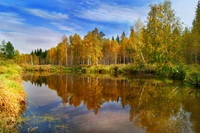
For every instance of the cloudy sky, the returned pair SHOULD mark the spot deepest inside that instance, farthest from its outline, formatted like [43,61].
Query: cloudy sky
[32,24]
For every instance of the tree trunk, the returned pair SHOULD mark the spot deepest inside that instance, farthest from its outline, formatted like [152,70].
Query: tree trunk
[124,57]
[66,58]
[141,54]
[31,60]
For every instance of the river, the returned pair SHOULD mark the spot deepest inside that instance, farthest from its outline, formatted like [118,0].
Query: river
[108,104]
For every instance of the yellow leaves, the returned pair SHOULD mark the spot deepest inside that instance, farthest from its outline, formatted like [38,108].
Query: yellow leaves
[160,15]
[61,52]
[150,19]
[160,33]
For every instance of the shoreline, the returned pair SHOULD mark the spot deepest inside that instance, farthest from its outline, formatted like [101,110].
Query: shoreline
[12,95]
[125,69]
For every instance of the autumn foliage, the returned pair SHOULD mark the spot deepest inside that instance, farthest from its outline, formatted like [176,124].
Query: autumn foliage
[161,43]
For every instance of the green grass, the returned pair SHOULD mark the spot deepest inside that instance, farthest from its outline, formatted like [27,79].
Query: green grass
[192,71]
[12,95]
[90,69]
[165,71]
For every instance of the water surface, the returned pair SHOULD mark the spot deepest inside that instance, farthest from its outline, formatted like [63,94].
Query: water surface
[103,104]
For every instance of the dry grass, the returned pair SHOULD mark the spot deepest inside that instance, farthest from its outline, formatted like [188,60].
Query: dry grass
[40,68]
[12,95]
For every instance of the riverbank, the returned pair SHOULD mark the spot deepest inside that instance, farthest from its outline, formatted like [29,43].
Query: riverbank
[126,69]
[12,94]
[101,69]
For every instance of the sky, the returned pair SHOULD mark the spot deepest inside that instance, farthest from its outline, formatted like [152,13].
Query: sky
[33,24]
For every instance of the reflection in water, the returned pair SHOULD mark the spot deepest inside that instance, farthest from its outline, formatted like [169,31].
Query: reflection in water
[152,105]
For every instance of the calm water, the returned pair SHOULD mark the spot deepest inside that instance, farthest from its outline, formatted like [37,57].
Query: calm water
[103,104]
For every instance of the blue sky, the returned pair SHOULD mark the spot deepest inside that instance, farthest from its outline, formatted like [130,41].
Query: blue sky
[32,24]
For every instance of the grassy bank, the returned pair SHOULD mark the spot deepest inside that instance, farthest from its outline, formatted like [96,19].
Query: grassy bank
[120,68]
[192,72]
[111,69]
[12,94]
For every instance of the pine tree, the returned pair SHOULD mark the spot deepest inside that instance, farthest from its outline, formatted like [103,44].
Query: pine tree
[10,51]
[118,39]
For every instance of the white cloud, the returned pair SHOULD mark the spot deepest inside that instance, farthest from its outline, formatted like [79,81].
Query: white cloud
[114,13]
[33,39]
[11,18]
[11,22]
[185,9]
[62,27]
[25,37]
[47,15]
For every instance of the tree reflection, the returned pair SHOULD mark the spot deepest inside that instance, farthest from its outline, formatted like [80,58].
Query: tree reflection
[156,109]
[191,104]
[154,106]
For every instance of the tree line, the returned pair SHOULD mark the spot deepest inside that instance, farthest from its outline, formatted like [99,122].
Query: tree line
[162,41]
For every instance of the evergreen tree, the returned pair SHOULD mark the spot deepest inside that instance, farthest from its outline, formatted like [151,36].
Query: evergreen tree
[113,38]
[3,46]
[118,39]
[10,51]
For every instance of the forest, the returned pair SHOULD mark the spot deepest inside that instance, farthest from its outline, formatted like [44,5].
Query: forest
[161,43]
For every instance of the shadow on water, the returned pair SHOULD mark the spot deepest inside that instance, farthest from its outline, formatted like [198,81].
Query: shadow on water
[81,103]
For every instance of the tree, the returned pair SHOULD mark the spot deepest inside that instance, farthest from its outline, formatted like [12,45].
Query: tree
[51,56]
[3,46]
[114,50]
[10,51]
[88,46]
[106,51]
[17,56]
[139,46]
[118,39]
[35,59]
[76,49]
[196,34]
[66,43]
[123,48]
[93,43]
[158,36]
[187,46]
[96,53]
[25,59]
[61,53]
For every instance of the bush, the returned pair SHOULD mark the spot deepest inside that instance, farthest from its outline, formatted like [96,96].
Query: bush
[172,71]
